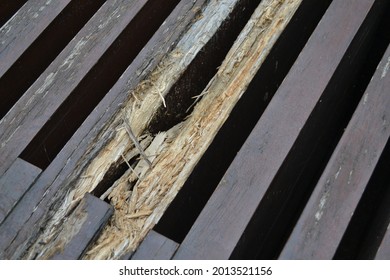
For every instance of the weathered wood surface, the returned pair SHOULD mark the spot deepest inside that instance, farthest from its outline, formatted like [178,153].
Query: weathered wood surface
[25,27]
[8,9]
[81,228]
[384,249]
[21,228]
[107,150]
[155,247]
[335,198]
[220,225]
[14,183]
[44,97]
[176,158]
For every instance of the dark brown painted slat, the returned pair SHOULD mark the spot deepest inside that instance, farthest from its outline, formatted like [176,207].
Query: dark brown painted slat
[14,183]
[228,212]
[384,249]
[155,247]
[335,198]
[24,28]
[84,225]
[21,225]
[44,97]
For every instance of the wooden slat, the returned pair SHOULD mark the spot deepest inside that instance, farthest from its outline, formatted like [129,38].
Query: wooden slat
[155,247]
[45,96]
[25,27]
[335,198]
[18,228]
[82,227]
[226,215]
[384,249]
[14,183]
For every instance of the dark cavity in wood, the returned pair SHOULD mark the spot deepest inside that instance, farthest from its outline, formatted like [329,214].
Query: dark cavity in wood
[76,108]
[225,217]
[185,208]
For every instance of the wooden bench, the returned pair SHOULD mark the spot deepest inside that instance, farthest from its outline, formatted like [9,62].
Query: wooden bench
[335,198]
[220,226]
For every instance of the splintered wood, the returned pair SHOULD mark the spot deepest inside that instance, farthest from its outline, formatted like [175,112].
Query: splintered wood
[163,162]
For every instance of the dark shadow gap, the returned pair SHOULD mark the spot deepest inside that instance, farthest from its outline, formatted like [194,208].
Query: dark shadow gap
[8,8]
[372,216]
[30,65]
[182,213]
[288,194]
[91,90]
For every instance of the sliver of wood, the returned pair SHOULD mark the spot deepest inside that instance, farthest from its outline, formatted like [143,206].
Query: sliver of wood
[222,222]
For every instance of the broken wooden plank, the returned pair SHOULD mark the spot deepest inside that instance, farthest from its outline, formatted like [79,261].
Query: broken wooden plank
[155,247]
[226,215]
[14,183]
[153,192]
[81,228]
[335,198]
[21,228]
[64,74]
[25,27]
[384,249]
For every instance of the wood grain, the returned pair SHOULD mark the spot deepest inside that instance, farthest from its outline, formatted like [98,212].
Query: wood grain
[155,247]
[44,97]
[21,228]
[25,27]
[81,229]
[229,210]
[14,183]
[335,198]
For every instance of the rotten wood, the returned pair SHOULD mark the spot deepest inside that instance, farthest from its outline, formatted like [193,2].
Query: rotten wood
[151,195]
[222,222]
[335,198]
[45,96]
[81,228]
[24,28]
[21,228]
[14,183]
[155,247]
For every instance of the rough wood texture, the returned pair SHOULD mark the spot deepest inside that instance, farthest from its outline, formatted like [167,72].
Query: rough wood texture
[43,98]
[22,227]
[384,249]
[155,247]
[114,142]
[80,230]
[24,27]
[153,192]
[14,183]
[335,198]
[231,207]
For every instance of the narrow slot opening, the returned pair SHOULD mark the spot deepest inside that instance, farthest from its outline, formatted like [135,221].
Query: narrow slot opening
[191,83]
[372,216]
[186,207]
[8,8]
[288,194]
[44,50]
[76,108]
